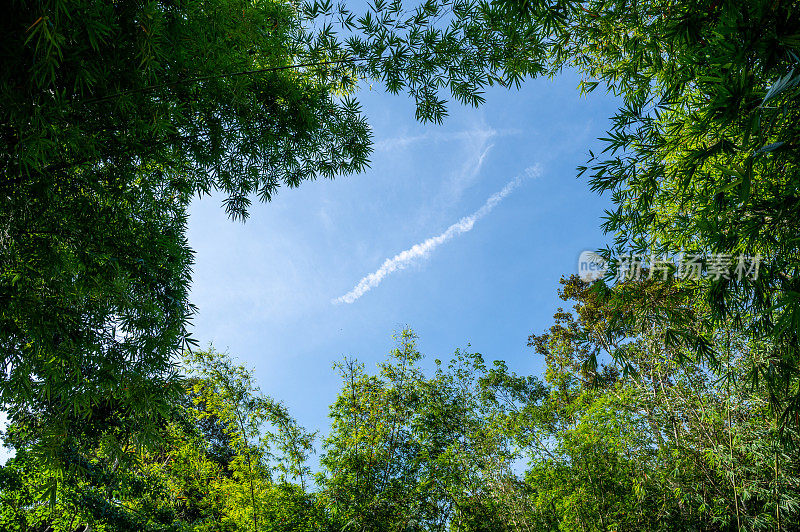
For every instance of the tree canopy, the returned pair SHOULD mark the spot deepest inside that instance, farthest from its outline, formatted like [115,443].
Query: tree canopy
[116,115]
[466,446]
[666,403]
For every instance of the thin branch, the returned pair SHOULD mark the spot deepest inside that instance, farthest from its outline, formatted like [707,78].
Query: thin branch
[218,76]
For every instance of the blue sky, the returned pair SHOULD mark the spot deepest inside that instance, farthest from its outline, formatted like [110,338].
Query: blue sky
[265,289]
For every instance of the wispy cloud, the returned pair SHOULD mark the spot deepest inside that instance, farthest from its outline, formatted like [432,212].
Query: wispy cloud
[423,249]
[477,149]
[403,141]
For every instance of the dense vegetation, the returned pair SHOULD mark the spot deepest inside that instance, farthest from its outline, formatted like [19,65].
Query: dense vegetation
[668,403]
[661,444]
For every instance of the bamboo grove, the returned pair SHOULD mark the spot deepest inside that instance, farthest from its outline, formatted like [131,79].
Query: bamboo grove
[667,403]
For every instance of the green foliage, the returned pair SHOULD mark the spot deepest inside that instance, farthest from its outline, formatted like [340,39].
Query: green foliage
[211,469]
[428,47]
[115,115]
[409,452]
[702,156]
[665,405]
[230,397]
[668,444]
[107,493]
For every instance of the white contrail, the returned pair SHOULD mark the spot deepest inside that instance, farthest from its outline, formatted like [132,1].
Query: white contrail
[404,258]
